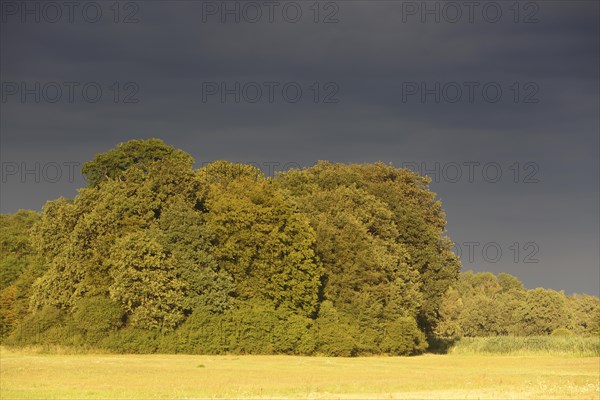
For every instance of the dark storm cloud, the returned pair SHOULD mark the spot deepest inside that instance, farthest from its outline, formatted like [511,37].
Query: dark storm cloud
[370,55]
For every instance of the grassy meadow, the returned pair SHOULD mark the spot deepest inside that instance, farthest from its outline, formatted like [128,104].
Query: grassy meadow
[571,346]
[536,373]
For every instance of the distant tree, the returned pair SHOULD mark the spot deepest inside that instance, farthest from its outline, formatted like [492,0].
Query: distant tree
[585,314]
[451,309]
[509,305]
[482,304]
[543,311]
[510,283]
[481,317]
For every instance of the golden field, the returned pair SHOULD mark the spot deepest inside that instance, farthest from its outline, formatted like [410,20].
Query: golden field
[31,374]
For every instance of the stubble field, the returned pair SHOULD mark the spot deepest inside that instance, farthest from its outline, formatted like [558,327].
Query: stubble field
[34,375]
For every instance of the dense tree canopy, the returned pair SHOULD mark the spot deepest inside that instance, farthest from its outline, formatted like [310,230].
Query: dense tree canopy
[334,259]
[380,234]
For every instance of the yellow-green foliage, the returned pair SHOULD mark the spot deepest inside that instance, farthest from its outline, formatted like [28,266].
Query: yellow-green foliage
[151,255]
[482,304]
[335,259]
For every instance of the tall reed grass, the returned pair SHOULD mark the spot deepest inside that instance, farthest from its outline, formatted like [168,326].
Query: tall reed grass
[578,346]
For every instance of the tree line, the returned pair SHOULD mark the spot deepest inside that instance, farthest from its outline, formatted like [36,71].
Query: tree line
[483,304]
[336,259]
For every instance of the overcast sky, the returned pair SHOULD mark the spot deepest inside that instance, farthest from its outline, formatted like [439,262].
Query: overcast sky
[498,104]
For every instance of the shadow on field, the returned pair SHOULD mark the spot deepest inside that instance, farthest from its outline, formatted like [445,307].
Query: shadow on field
[439,345]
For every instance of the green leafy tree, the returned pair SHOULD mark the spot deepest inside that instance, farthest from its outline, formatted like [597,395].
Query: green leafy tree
[97,316]
[335,336]
[585,314]
[335,259]
[544,311]
[481,317]
[393,207]
[134,153]
[15,244]
[19,267]
[261,241]
[145,283]
[74,239]
[187,237]
[8,315]
[403,337]
[510,284]
[293,335]
[451,309]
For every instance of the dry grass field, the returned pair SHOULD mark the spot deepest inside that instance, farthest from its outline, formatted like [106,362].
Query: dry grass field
[35,375]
